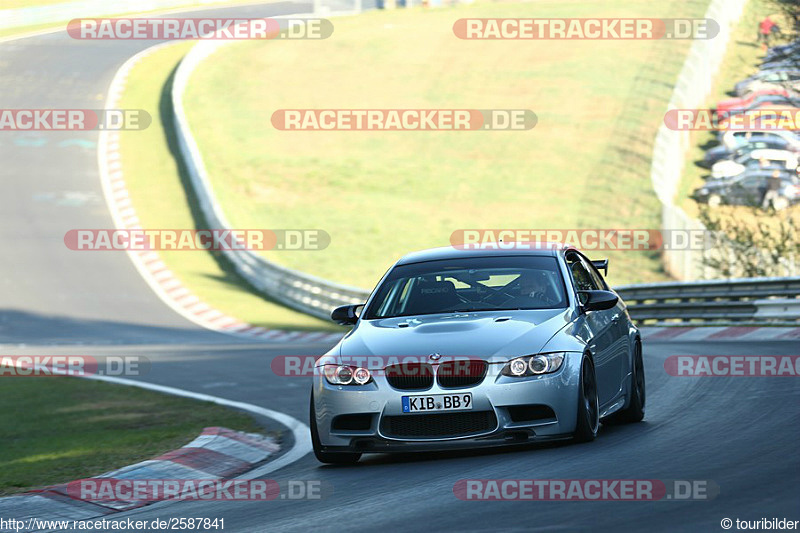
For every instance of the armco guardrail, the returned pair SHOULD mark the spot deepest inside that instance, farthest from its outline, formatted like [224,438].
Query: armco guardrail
[748,300]
[303,292]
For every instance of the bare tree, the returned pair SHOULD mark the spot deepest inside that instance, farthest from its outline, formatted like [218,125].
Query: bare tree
[751,244]
[790,8]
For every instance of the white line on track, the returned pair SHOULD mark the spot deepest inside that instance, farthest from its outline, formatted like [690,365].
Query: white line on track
[155,273]
[57,27]
[300,431]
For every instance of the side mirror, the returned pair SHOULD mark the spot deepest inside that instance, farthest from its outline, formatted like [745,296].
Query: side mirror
[598,300]
[346,315]
[601,264]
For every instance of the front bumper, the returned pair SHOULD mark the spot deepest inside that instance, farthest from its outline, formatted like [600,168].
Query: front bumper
[499,397]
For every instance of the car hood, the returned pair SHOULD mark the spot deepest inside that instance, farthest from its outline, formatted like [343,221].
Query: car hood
[720,166]
[478,334]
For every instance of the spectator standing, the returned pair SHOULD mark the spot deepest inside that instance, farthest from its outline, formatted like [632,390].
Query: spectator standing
[773,186]
[765,31]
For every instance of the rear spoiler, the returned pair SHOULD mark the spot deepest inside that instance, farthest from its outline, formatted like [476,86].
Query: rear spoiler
[601,264]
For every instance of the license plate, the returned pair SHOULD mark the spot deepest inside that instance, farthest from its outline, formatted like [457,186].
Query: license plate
[437,402]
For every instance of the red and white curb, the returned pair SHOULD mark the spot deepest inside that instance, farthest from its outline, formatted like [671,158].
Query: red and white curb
[719,334]
[217,454]
[149,264]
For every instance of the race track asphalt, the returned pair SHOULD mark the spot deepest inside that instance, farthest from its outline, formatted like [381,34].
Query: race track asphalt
[740,433]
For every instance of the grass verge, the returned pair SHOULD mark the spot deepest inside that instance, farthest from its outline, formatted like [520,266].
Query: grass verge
[383,194]
[62,429]
[161,195]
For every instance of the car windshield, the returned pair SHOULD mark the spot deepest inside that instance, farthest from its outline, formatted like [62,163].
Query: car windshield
[468,285]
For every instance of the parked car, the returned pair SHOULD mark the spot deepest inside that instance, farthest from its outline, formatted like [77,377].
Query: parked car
[779,101]
[757,86]
[783,51]
[755,142]
[755,159]
[766,118]
[782,62]
[749,188]
[743,103]
[734,139]
[781,78]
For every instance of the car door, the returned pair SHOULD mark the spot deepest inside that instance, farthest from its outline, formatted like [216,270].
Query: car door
[748,191]
[620,348]
[743,191]
[600,333]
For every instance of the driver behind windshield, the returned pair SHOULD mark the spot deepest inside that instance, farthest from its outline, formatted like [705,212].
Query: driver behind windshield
[532,287]
[469,285]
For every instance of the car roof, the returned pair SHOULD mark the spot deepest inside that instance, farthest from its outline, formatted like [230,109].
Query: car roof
[542,249]
[771,152]
[766,172]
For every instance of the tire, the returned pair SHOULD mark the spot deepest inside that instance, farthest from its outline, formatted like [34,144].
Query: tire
[715,200]
[780,203]
[334,458]
[635,410]
[588,408]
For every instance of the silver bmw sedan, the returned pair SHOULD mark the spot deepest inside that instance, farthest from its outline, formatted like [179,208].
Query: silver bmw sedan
[460,348]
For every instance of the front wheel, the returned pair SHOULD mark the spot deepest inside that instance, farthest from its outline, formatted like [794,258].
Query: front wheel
[336,458]
[588,409]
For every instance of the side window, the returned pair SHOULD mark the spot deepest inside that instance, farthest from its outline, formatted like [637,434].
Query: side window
[595,275]
[751,183]
[580,274]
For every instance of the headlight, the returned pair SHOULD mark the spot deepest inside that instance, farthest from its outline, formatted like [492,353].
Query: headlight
[533,365]
[362,376]
[517,367]
[347,375]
